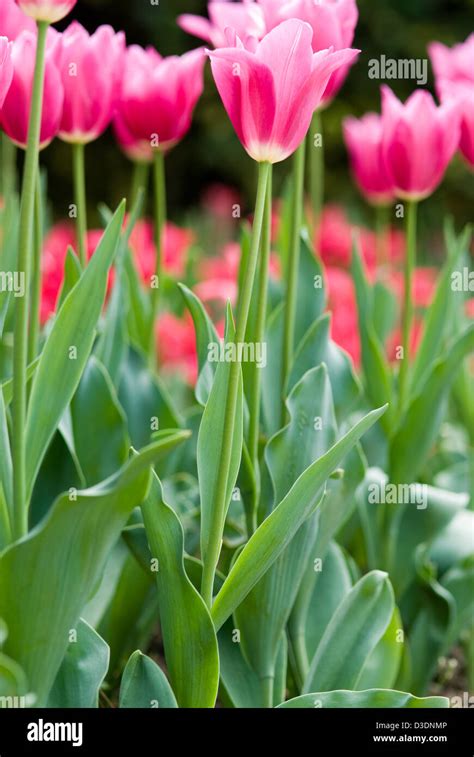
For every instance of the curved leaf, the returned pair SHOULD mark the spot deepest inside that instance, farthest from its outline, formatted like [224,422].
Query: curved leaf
[145,685]
[373,698]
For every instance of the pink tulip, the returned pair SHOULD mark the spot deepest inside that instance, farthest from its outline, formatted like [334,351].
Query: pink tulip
[271,91]
[176,244]
[419,141]
[158,95]
[333,23]
[6,68]
[13,21]
[176,345]
[246,18]
[16,108]
[135,149]
[454,64]
[454,71]
[364,142]
[90,68]
[46,10]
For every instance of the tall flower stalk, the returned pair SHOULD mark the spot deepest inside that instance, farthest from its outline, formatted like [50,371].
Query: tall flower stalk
[20,348]
[214,546]
[79,176]
[33,335]
[407,315]
[292,273]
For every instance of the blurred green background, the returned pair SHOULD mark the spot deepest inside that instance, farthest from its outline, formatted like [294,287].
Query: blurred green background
[211,152]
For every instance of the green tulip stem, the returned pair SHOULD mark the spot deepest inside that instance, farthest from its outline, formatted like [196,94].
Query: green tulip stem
[408,310]
[80,200]
[25,250]
[160,220]
[211,556]
[292,273]
[36,273]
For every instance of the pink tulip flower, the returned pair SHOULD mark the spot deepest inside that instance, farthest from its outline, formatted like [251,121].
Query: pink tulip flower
[271,91]
[136,150]
[333,23]
[46,10]
[176,346]
[454,72]
[16,108]
[419,141]
[363,139]
[90,68]
[158,95]
[13,21]
[246,18]
[6,68]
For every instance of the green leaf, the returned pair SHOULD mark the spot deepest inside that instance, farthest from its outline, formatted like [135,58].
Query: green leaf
[271,383]
[384,311]
[7,386]
[353,632]
[139,312]
[317,347]
[188,633]
[373,698]
[382,666]
[263,614]
[210,441]
[459,581]
[206,334]
[47,578]
[58,374]
[311,299]
[240,682]
[145,685]
[98,425]
[420,424]
[455,542]
[6,477]
[377,375]
[272,536]
[72,274]
[112,345]
[82,670]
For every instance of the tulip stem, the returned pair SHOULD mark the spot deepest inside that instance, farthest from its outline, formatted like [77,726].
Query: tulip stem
[36,273]
[139,181]
[211,555]
[80,199]
[316,170]
[407,315]
[381,235]
[292,273]
[25,244]
[254,383]
[160,219]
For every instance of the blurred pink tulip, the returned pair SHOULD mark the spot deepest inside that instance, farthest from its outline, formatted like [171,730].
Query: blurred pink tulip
[333,23]
[454,72]
[246,18]
[176,345]
[418,143]
[176,244]
[6,68]
[158,96]
[271,92]
[364,142]
[16,108]
[90,68]
[135,149]
[46,10]
[343,308]
[455,63]
[13,20]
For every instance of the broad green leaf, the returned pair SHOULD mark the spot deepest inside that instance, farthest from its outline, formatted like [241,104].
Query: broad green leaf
[459,581]
[188,633]
[311,298]
[455,542]
[98,425]
[7,386]
[373,698]
[271,381]
[382,666]
[144,400]
[353,632]
[377,376]
[211,439]
[112,345]
[6,477]
[317,347]
[47,578]
[13,684]
[205,335]
[263,614]
[72,274]
[66,351]
[384,311]
[420,424]
[240,682]
[82,670]
[272,536]
[139,312]
[145,685]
